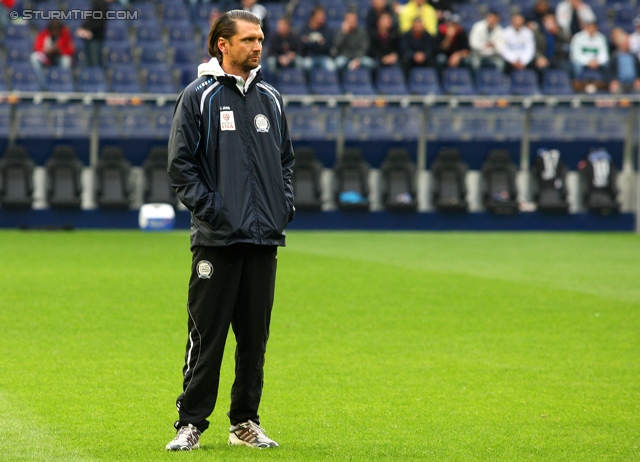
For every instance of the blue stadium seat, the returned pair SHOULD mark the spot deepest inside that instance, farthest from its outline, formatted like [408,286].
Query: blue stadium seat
[200,14]
[33,121]
[92,79]
[390,81]
[5,122]
[125,80]
[492,82]
[292,82]
[624,16]
[161,120]
[118,53]
[406,123]
[186,64]
[424,81]
[524,82]
[17,33]
[181,33]
[115,31]
[19,52]
[24,78]
[305,122]
[159,81]
[152,53]
[108,123]
[146,12]
[458,81]
[148,33]
[556,82]
[135,122]
[71,120]
[325,83]
[175,12]
[59,80]
[358,82]
[367,123]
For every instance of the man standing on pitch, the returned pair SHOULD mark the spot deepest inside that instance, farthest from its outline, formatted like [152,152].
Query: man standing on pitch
[230,161]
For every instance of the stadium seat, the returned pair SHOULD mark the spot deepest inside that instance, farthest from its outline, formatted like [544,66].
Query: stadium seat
[118,53]
[59,80]
[185,64]
[524,82]
[64,178]
[108,123]
[398,175]
[448,174]
[292,82]
[33,121]
[325,83]
[115,32]
[92,79]
[71,120]
[352,181]
[458,81]
[492,82]
[152,53]
[112,179]
[625,13]
[17,34]
[125,80]
[390,81]
[307,170]
[23,78]
[161,120]
[157,188]
[5,121]
[16,179]
[200,14]
[367,123]
[358,82]
[159,81]
[135,121]
[145,11]
[181,33]
[549,182]
[556,82]
[19,52]
[424,81]
[598,176]
[499,183]
[148,33]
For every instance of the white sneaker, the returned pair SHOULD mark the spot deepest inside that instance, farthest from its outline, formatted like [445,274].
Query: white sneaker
[250,434]
[188,438]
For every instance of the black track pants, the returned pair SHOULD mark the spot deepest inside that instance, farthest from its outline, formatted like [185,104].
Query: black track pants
[234,286]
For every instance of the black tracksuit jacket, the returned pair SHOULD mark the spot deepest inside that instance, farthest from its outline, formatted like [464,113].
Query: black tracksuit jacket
[231,161]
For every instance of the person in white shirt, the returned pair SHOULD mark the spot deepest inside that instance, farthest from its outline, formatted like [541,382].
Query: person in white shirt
[634,38]
[573,15]
[486,41]
[519,44]
[589,50]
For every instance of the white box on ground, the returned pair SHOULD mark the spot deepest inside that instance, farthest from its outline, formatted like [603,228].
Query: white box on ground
[156,217]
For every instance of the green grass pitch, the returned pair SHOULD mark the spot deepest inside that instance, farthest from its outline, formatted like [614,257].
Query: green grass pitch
[384,346]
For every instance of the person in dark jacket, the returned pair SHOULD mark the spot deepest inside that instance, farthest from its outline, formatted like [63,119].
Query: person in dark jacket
[624,67]
[92,32]
[230,162]
[416,47]
[385,42]
[317,38]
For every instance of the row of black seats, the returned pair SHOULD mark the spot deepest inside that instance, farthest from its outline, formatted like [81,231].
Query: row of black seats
[64,182]
[449,191]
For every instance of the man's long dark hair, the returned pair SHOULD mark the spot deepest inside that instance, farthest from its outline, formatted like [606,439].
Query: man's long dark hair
[225,27]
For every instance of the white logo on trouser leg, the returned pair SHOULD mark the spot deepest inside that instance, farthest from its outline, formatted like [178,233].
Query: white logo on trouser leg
[204,269]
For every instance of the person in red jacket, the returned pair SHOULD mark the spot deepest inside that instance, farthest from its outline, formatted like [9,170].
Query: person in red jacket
[53,47]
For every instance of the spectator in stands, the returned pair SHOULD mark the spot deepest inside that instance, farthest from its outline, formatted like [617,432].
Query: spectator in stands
[53,47]
[452,43]
[378,7]
[552,45]
[260,11]
[486,40]
[416,47]
[284,48]
[573,15]
[316,40]
[519,45]
[92,32]
[350,45]
[589,50]
[537,13]
[634,38]
[624,67]
[385,42]
[418,9]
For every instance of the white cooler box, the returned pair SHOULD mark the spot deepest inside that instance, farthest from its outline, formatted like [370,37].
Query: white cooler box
[156,217]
